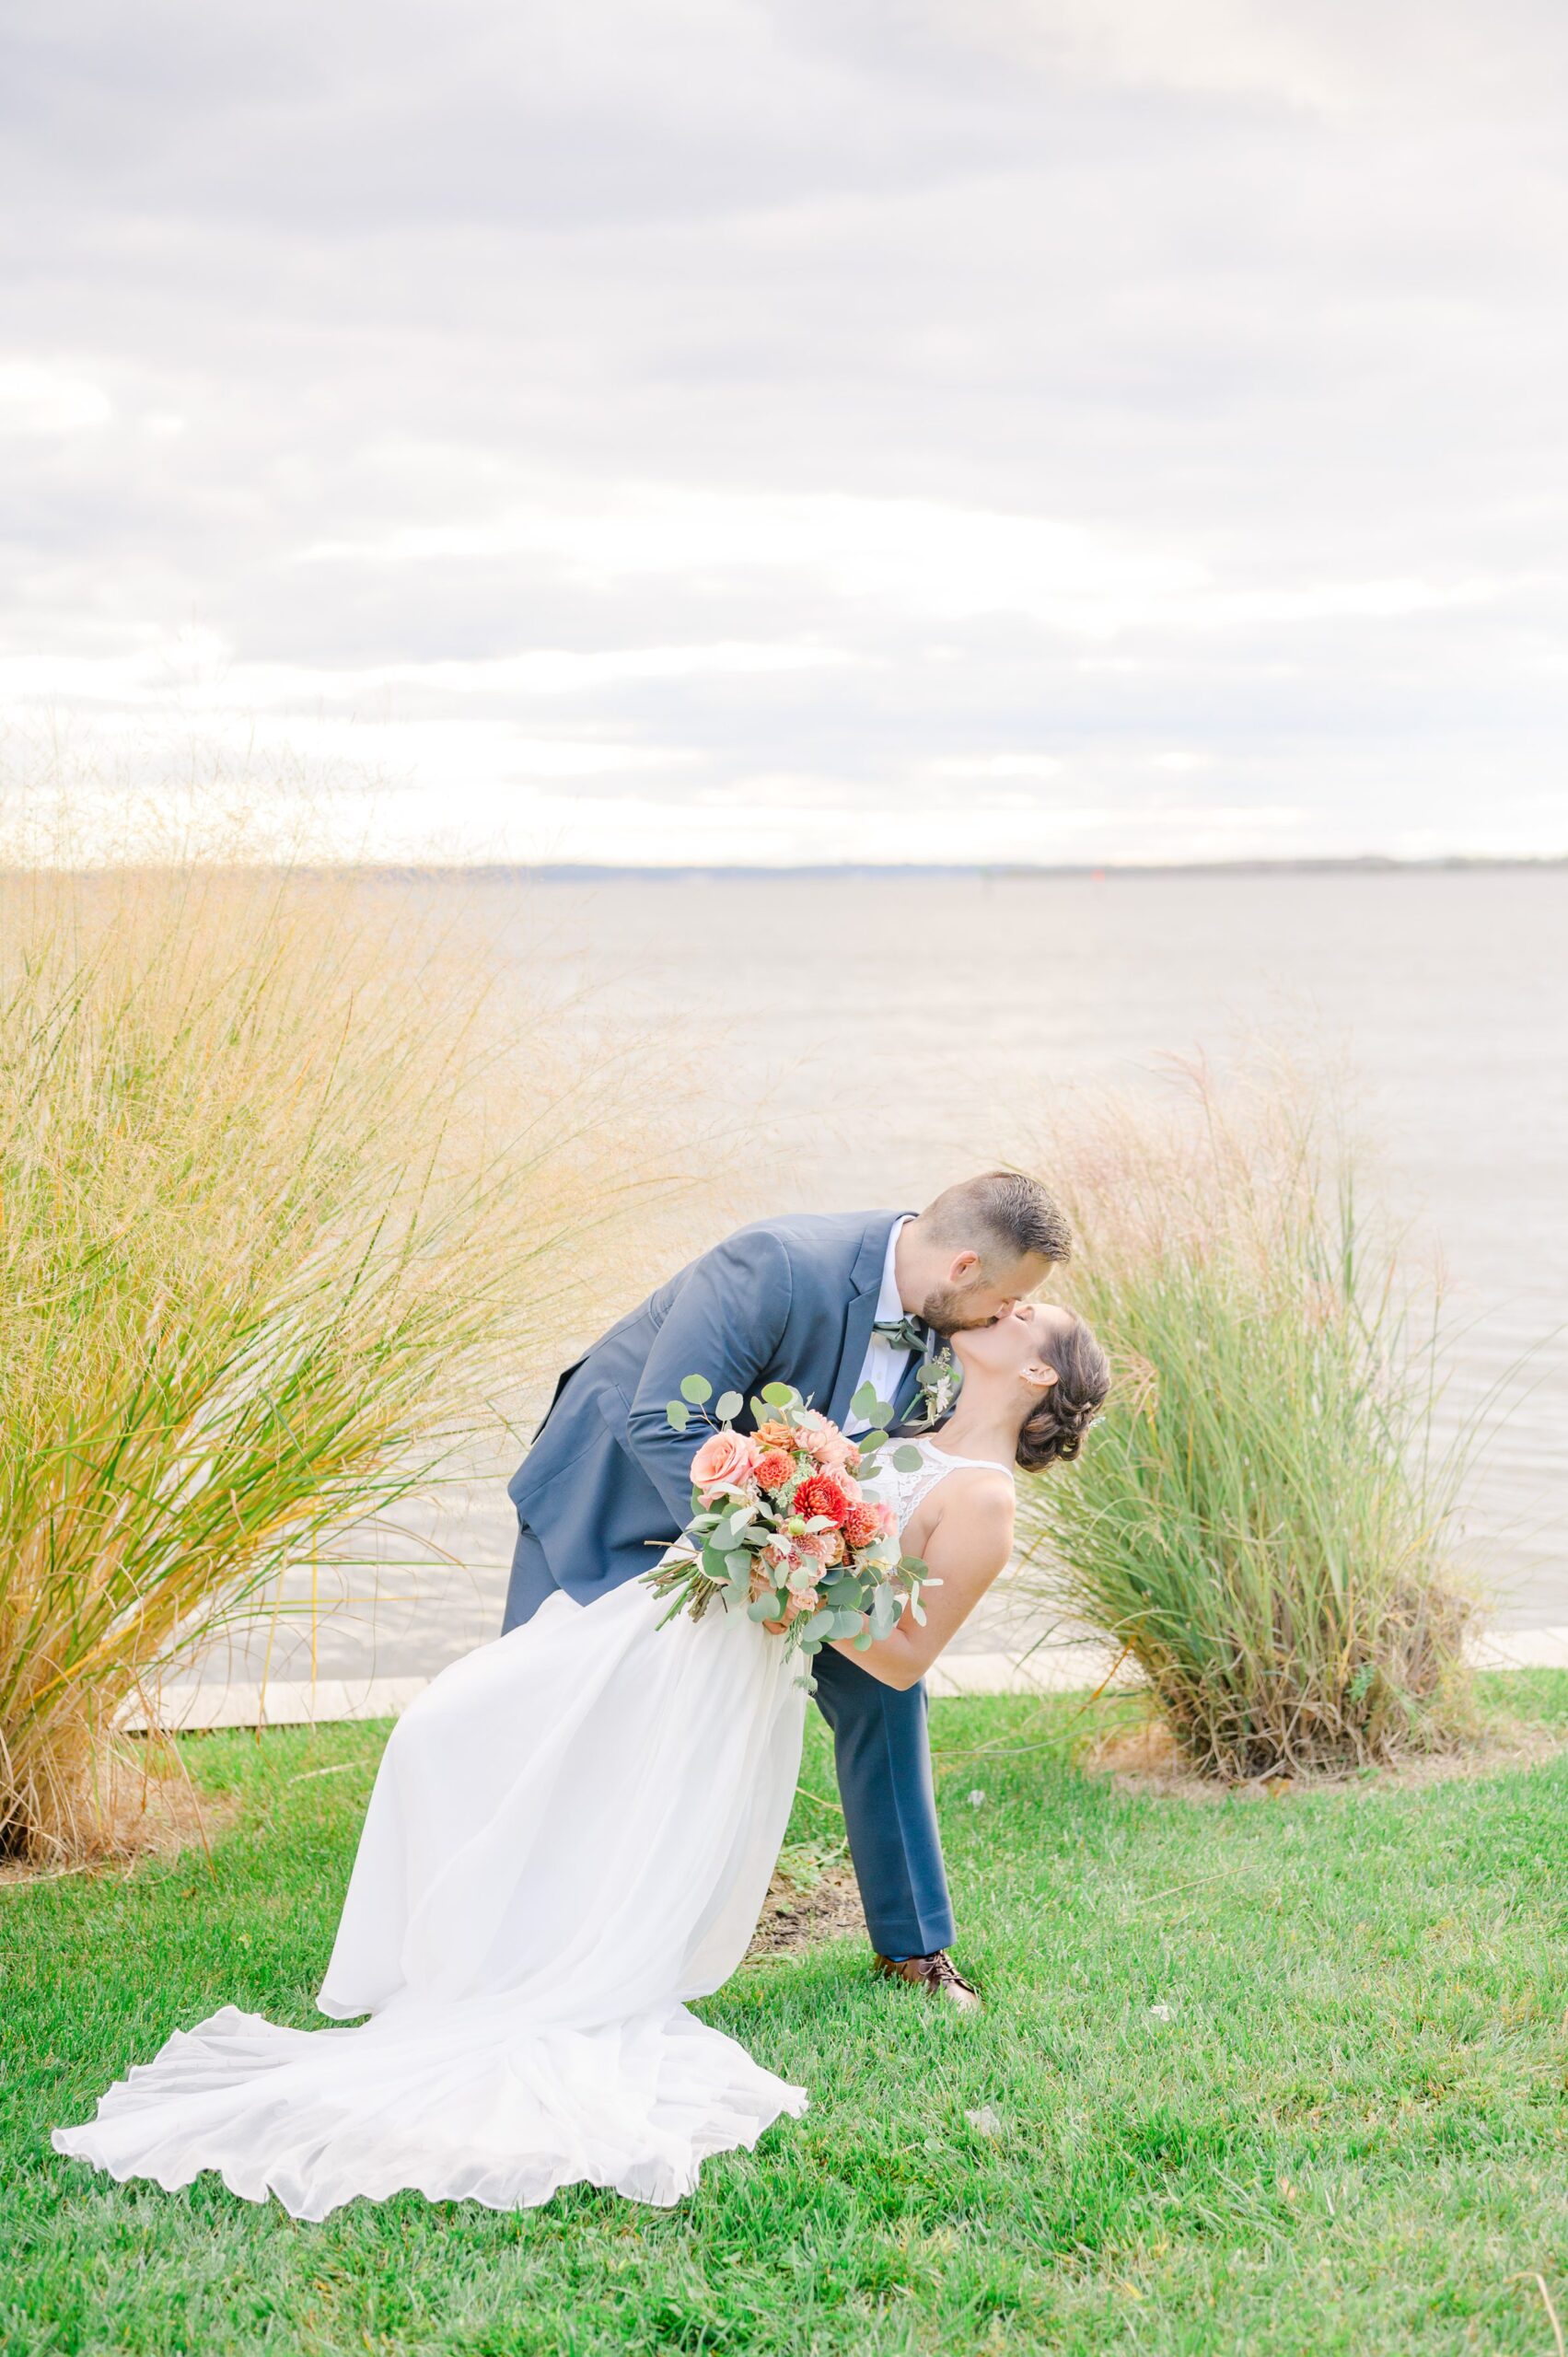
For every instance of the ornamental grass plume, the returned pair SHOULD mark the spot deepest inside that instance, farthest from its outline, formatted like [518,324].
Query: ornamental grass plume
[281,1204]
[1261,1519]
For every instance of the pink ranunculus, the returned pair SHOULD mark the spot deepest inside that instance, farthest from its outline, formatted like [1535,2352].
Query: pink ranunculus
[827,1445]
[725,1461]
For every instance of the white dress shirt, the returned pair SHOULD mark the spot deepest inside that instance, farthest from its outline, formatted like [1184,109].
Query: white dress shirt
[884,1364]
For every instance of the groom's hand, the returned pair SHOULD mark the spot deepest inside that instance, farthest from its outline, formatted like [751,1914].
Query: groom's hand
[726,1323]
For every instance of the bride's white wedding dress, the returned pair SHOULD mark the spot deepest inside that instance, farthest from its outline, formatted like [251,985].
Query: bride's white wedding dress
[571,1834]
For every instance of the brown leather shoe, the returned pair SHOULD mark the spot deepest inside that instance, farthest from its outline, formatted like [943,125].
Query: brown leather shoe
[938,1975]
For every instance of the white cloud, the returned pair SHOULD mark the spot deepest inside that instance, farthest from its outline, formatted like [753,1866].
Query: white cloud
[964,424]
[36,398]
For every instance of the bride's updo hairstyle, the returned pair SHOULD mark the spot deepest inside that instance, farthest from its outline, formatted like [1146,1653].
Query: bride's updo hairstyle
[1055,1428]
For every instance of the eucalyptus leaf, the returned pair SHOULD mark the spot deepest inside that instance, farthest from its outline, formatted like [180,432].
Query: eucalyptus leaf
[863,1641]
[763,1607]
[697,1389]
[886,1612]
[865,1403]
[677,1414]
[730,1404]
[781,1395]
[907,1459]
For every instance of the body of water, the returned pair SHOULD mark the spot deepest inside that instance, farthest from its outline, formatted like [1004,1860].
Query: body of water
[873,1037]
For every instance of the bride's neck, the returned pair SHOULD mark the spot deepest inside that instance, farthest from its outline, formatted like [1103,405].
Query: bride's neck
[980,1426]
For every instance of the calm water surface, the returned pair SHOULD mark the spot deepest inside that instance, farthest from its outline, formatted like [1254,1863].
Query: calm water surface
[881,1038]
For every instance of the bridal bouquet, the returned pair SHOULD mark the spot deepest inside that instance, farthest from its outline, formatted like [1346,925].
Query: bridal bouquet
[781,1524]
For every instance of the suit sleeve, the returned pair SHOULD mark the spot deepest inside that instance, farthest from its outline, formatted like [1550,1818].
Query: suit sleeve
[726,1323]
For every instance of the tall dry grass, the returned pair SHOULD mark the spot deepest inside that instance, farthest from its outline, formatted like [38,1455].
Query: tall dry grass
[283,1202]
[1261,1519]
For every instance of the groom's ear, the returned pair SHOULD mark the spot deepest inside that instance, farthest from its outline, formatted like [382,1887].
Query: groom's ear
[962,1267]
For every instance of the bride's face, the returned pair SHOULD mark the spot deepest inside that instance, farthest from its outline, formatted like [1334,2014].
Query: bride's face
[1016,1345]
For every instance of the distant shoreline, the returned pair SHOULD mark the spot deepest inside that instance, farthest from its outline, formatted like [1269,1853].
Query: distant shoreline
[847,871]
[1095,871]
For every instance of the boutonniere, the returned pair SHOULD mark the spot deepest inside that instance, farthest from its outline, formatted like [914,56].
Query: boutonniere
[941,1379]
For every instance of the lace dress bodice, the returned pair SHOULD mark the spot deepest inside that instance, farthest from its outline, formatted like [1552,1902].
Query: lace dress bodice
[905,1492]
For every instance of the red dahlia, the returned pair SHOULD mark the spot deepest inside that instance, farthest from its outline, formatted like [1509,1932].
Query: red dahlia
[820,1494]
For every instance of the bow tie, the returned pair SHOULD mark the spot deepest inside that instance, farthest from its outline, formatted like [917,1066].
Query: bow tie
[904,1333]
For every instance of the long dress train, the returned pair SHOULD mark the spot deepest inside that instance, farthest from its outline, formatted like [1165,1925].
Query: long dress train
[571,1833]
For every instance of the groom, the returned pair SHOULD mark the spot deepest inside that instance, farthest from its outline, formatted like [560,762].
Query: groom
[826,1303]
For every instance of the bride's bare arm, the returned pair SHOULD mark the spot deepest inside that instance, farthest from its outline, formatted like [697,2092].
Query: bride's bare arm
[970,1545]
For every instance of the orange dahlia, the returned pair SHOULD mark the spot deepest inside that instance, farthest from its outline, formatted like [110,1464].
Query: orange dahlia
[862,1525]
[774,1469]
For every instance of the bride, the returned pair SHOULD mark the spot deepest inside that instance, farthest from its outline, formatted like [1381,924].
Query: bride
[570,1835]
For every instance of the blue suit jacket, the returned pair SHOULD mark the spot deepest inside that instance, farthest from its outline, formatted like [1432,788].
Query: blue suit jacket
[607,1483]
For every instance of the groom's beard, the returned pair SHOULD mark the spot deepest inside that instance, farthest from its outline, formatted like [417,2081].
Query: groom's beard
[947,1312]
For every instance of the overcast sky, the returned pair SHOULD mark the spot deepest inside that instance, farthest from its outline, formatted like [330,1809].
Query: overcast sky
[643,430]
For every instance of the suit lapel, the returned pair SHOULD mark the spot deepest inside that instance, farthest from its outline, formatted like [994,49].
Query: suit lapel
[865,1283]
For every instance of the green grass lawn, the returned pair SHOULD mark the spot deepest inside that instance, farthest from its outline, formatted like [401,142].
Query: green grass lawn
[1266,2077]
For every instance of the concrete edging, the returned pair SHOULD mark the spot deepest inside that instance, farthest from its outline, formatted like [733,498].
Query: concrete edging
[1050,1669]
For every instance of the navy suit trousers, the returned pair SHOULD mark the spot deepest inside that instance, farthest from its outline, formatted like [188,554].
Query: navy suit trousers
[883,1759]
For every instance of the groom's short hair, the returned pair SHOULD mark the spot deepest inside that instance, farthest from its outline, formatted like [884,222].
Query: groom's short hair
[1006,1210]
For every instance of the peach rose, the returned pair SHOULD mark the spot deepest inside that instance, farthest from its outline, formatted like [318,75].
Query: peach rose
[725,1461]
